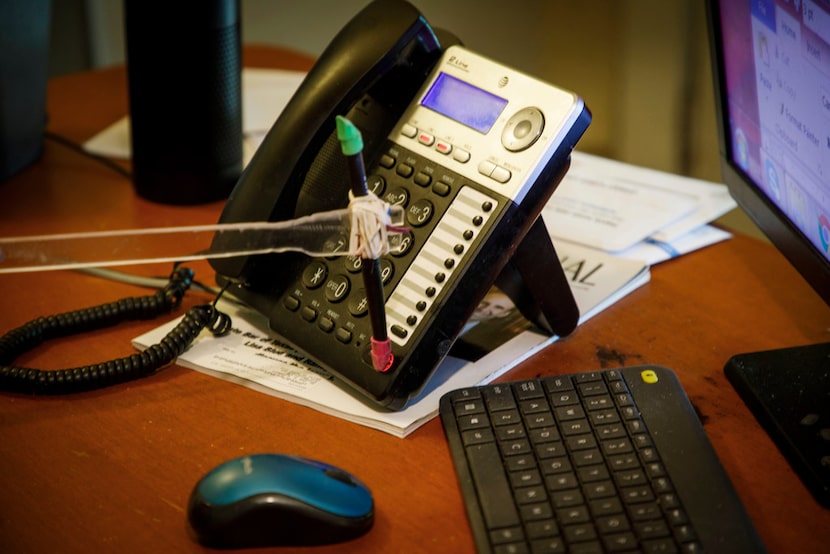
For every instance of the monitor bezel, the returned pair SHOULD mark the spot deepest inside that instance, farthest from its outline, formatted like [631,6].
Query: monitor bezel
[781,231]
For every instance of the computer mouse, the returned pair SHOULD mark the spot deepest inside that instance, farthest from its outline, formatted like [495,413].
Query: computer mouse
[276,499]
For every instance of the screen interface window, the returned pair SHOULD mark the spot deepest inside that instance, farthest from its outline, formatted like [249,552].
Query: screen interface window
[778,87]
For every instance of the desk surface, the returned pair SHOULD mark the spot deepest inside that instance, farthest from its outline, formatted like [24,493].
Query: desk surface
[111,470]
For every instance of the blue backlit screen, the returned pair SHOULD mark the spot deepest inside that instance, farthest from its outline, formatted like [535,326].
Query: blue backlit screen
[464,103]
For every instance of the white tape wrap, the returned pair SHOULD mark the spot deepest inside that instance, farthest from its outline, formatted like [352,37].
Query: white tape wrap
[370,218]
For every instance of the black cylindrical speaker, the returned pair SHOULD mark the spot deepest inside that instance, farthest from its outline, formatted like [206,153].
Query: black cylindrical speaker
[184,71]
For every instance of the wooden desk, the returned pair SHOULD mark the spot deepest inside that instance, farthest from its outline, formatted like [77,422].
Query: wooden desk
[111,471]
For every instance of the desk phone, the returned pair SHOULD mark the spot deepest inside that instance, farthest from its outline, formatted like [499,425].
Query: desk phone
[470,148]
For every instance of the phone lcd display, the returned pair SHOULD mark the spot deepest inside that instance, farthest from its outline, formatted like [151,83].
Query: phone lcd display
[464,103]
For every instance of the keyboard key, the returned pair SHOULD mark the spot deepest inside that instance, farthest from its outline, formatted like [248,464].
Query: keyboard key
[534,406]
[576,427]
[543,435]
[495,496]
[499,397]
[593,473]
[541,529]
[611,431]
[577,514]
[608,525]
[555,465]
[600,489]
[606,506]
[477,421]
[557,384]
[645,512]
[550,449]
[507,535]
[510,432]
[530,495]
[603,402]
[561,481]
[520,462]
[592,389]
[582,458]
[542,419]
[632,495]
[581,442]
[536,512]
[565,499]
[579,533]
[567,398]
[529,389]
[652,529]
[512,448]
[623,542]
[568,413]
[549,546]
[477,436]
[525,478]
[505,417]
[469,406]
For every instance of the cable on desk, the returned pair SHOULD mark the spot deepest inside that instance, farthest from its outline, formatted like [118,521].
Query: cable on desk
[90,377]
[139,280]
[72,145]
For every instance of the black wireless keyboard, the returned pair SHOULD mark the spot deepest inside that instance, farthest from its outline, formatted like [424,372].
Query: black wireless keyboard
[604,461]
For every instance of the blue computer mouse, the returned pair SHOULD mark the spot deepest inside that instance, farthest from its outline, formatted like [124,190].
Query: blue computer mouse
[275,499]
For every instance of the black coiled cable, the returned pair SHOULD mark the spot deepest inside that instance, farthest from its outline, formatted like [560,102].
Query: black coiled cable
[90,377]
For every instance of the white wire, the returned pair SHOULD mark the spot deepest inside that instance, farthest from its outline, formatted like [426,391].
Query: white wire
[369,233]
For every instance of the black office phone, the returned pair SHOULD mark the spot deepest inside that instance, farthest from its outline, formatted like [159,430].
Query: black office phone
[470,148]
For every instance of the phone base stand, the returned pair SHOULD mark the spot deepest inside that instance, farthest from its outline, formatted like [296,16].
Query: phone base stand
[536,283]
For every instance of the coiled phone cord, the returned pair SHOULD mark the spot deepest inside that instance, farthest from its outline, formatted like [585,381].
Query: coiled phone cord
[90,377]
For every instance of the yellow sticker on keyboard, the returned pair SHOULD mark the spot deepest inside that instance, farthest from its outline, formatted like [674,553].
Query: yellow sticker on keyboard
[649,376]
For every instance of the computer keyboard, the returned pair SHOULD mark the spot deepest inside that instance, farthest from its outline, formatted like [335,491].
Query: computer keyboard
[603,461]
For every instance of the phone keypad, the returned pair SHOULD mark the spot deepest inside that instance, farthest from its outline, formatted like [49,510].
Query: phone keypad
[445,217]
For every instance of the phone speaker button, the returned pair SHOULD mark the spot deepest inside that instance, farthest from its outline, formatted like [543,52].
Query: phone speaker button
[501,175]
[486,168]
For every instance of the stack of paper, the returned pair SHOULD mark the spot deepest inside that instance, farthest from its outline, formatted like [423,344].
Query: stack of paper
[635,212]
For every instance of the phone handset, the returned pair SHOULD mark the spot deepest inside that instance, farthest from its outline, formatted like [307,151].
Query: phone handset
[387,39]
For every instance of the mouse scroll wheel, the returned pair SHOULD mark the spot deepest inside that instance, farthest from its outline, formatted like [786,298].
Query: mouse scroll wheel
[340,475]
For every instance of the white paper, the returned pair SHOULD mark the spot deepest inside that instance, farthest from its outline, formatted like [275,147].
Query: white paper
[653,251]
[612,206]
[265,92]
[597,279]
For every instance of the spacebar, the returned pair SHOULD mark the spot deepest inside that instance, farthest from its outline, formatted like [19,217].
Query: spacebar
[494,493]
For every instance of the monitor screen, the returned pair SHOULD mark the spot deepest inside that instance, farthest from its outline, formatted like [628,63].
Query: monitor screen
[772,72]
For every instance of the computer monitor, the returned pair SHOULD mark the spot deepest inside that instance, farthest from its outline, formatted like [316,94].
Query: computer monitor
[771,67]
